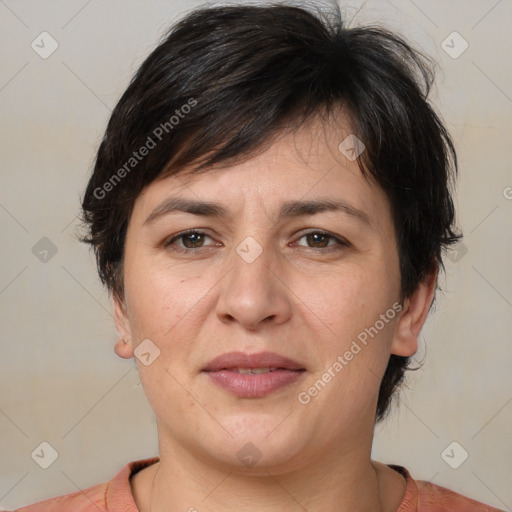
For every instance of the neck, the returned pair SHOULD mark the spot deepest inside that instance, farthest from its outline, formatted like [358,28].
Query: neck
[338,482]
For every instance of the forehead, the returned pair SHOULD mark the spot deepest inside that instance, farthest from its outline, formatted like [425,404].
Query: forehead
[308,163]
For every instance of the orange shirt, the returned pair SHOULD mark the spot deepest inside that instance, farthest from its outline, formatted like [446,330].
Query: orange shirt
[116,496]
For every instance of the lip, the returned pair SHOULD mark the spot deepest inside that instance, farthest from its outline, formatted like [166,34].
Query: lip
[260,360]
[222,370]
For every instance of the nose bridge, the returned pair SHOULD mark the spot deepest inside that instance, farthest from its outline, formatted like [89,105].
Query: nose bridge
[251,292]
[254,251]
[252,264]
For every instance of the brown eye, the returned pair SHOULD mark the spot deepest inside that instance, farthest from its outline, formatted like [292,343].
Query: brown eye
[194,239]
[190,241]
[322,239]
[318,238]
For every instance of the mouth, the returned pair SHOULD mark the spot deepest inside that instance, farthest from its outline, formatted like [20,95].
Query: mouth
[253,376]
[262,362]
[252,371]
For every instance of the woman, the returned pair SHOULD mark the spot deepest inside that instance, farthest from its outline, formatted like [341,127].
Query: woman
[268,209]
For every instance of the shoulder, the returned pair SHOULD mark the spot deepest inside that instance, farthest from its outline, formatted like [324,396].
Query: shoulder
[421,496]
[113,495]
[91,499]
[434,497]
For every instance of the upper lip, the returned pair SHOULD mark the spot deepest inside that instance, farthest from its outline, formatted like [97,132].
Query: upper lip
[260,360]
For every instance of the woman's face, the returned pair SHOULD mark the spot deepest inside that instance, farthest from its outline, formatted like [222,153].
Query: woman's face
[256,281]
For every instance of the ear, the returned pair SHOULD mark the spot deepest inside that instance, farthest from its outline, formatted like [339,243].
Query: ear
[122,349]
[414,314]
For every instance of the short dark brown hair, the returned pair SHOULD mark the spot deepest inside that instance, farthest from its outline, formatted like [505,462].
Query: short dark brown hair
[225,80]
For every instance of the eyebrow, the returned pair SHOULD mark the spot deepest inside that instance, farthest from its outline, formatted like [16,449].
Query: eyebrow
[289,209]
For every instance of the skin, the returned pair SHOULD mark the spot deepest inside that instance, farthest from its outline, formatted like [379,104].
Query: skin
[306,298]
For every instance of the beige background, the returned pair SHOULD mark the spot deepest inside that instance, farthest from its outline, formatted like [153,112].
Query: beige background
[62,382]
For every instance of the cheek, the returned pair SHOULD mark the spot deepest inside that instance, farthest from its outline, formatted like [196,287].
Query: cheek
[356,346]
[349,299]
[160,298]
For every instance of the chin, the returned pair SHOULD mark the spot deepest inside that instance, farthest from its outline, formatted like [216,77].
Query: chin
[256,445]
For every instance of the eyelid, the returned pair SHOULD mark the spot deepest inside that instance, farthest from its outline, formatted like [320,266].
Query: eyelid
[170,240]
[339,241]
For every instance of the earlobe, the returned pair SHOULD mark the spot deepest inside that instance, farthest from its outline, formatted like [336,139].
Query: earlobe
[414,314]
[124,346]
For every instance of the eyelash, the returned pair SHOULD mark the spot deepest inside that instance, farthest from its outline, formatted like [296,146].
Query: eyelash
[170,241]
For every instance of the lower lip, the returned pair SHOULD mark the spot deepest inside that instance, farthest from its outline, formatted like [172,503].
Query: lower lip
[254,386]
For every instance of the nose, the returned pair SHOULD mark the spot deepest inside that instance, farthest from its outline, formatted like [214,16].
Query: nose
[254,292]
